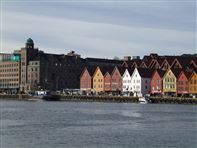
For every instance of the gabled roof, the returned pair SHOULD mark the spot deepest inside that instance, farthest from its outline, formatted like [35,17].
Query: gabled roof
[128,63]
[105,69]
[160,72]
[90,69]
[144,63]
[131,70]
[186,73]
[183,61]
[121,69]
[137,62]
[145,73]
[193,72]
[170,59]
[176,72]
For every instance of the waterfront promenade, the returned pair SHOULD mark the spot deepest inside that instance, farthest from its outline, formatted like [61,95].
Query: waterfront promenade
[120,99]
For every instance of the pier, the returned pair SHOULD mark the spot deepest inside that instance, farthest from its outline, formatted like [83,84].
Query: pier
[97,98]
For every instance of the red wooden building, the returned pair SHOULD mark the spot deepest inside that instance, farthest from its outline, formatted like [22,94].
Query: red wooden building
[86,78]
[116,78]
[107,82]
[156,82]
[106,71]
[183,83]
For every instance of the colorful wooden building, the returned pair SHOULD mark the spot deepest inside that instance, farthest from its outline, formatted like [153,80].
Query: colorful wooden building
[193,83]
[156,83]
[107,82]
[116,79]
[170,82]
[140,81]
[102,78]
[126,80]
[98,80]
[183,83]
[86,78]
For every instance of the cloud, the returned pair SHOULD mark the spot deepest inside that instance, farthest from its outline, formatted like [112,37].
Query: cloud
[59,35]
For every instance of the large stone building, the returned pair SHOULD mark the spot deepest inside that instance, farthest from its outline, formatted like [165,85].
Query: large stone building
[9,73]
[39,70]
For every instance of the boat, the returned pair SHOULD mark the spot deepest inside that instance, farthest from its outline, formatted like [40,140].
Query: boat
[44,96]
[144,100]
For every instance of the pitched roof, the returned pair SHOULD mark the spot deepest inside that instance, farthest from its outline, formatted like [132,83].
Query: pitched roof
[121,70]
[137,61]
[184,61]
[91,69]
[170,59]
[145,73]
[176,71]
[105,69]
[187,74]
[161,72]
[131,70]
[129,63]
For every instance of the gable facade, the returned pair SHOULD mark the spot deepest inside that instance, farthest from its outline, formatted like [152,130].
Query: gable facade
[98,81]
[85,81]
[126,80]
[107,82]
[156,83]
[116,80]
[169,82]
[193,83]
[136,83]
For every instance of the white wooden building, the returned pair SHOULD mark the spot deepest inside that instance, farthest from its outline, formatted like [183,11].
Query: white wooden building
[140,81]
[126,80]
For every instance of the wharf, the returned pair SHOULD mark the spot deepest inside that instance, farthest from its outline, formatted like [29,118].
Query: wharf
[115,99]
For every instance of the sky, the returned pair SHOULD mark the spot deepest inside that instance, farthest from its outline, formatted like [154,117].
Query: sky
[100,28]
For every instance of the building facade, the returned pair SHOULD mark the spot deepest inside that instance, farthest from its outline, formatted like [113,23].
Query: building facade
[10,76]
[169,83]
[98,81]
[86,82]
[107,82]
[183,83]
[193,84]
[116,79]
[156,83]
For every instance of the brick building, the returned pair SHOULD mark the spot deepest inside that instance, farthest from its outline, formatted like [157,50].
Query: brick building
[9,73]
[39,70]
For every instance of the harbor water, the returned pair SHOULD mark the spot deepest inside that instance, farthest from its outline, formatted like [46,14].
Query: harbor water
[97,125]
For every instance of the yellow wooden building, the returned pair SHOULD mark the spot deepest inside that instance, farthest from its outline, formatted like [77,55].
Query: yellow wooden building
[169,83]
[193,84]
[98,80]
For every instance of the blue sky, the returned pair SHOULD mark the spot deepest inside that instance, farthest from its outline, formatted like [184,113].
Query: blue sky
[101,28]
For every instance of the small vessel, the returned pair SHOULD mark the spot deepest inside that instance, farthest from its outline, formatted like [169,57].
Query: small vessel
[44,96]
[143,100]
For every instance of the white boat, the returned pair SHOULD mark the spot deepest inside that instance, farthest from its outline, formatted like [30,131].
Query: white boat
[142,100]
